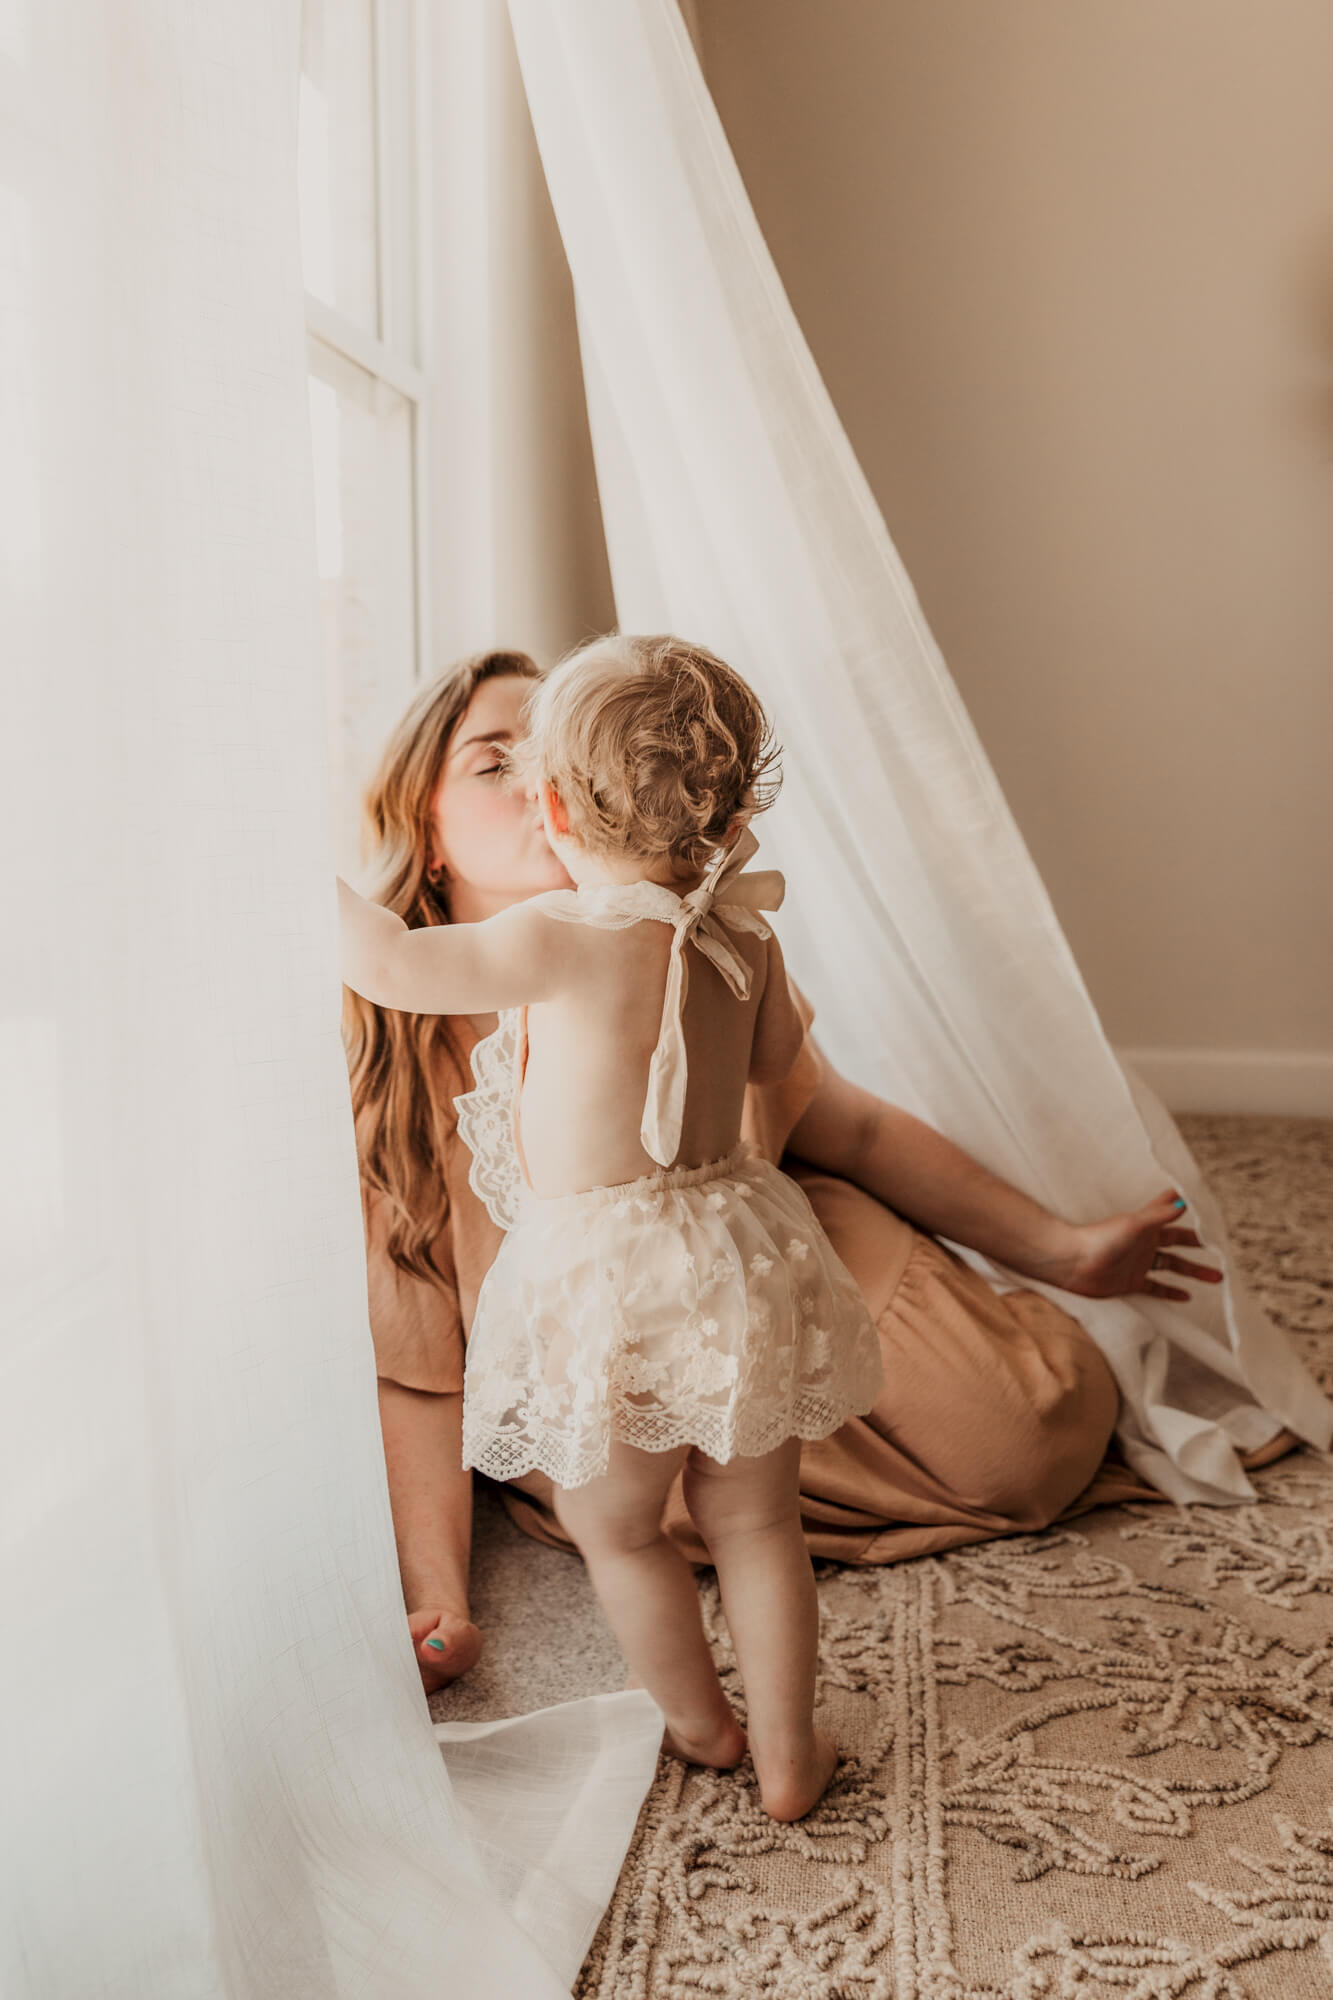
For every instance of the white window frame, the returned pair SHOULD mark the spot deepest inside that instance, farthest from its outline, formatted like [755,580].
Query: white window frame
[389,357]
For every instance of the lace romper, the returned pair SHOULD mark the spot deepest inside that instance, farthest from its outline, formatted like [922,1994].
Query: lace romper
[695,1305]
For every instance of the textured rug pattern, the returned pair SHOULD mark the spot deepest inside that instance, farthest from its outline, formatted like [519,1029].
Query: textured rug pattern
[1092,1762]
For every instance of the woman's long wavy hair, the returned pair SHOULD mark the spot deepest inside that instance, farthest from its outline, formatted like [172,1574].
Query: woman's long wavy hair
[394,1059]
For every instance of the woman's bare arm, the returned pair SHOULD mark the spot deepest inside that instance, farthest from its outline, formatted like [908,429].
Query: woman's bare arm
[927,1178]
[431,1497]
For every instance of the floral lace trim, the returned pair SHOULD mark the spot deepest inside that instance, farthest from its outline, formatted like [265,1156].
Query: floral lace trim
[569,1462]
[485,1123]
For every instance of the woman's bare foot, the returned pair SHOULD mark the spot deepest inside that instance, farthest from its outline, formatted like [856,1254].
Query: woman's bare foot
[798,1783]
[445,1644]
[722,1747]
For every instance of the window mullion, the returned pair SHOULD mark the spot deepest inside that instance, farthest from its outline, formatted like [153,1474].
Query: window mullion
[423,416]
[336,330]
[421,531]
[383,179]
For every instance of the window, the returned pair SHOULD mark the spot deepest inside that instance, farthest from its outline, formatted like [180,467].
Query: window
[360,161]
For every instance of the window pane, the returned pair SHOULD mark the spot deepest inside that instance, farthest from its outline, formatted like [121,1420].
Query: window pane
[336,157]
[361,432]
[400,150]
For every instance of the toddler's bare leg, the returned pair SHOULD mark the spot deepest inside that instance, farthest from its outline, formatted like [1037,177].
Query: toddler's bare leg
[648,1592]
[748,1512]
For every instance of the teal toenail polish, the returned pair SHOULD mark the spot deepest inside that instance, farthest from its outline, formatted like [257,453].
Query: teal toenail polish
[438,1644]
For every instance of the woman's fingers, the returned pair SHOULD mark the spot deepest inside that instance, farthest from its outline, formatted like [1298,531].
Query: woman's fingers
[1125,1254]
[1187,1268]
[1199,1274]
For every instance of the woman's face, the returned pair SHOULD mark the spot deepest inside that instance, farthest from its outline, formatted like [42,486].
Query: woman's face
[486,831]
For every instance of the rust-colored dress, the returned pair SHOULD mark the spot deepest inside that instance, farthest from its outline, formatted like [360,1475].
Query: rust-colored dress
[997,1412]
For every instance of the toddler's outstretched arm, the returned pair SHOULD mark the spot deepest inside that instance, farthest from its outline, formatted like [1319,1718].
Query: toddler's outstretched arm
[514,957]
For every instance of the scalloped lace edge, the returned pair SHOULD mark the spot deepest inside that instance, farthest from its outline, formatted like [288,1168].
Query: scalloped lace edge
[485,1123]
[502,1455]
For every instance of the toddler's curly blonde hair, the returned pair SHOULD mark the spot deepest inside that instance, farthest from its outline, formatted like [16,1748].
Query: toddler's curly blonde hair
[654,746]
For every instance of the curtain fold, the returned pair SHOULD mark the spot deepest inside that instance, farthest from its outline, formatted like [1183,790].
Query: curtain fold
[219,1774]
[736,513]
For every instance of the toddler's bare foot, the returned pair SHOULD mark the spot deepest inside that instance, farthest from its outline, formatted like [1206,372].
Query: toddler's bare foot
[796,1784]
[722,1747]
[445,1644]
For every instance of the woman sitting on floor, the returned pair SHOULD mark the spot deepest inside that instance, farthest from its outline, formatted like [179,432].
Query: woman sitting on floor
[1001,1409]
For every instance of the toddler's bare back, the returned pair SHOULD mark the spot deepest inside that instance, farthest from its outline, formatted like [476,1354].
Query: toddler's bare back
[589,1051]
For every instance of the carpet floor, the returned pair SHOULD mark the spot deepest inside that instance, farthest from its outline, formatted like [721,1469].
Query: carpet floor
[1094,1763]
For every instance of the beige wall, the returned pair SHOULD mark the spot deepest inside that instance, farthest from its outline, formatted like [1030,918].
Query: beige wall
[1068,272]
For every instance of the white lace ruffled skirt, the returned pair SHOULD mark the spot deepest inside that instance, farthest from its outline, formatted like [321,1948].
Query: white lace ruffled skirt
[697,1305]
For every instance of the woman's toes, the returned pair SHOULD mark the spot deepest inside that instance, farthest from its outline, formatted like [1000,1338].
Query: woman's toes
[445,1644]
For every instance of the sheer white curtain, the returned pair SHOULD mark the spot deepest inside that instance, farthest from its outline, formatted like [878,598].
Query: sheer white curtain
[219,1775]
[736,512]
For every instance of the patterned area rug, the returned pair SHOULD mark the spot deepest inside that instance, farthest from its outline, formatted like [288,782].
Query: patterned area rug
[1090,1764]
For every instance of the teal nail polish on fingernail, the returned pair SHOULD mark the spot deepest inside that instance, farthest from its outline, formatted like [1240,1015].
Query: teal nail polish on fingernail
[1179,1202]
[438,1644]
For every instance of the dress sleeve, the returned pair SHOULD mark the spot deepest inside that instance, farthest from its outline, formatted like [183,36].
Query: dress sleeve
[772,1109]
[416,1324]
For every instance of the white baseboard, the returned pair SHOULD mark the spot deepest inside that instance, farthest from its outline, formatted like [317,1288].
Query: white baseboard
[1263,1081]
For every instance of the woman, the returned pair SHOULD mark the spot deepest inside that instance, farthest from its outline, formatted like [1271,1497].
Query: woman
[999,1410]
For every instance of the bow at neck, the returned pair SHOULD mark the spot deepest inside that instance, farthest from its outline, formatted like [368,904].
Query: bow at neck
[726,900]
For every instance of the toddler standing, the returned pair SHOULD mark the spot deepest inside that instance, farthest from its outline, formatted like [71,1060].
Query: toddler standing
[646,1317]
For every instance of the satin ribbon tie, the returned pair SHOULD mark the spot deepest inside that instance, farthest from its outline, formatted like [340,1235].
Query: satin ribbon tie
[725,900]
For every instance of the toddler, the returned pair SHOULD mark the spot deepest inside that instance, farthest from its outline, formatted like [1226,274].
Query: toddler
[664,1300]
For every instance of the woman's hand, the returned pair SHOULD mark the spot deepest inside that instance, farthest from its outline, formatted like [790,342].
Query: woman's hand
[1115,1257]
[942,1190]
[445,1645]
[431,1497]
